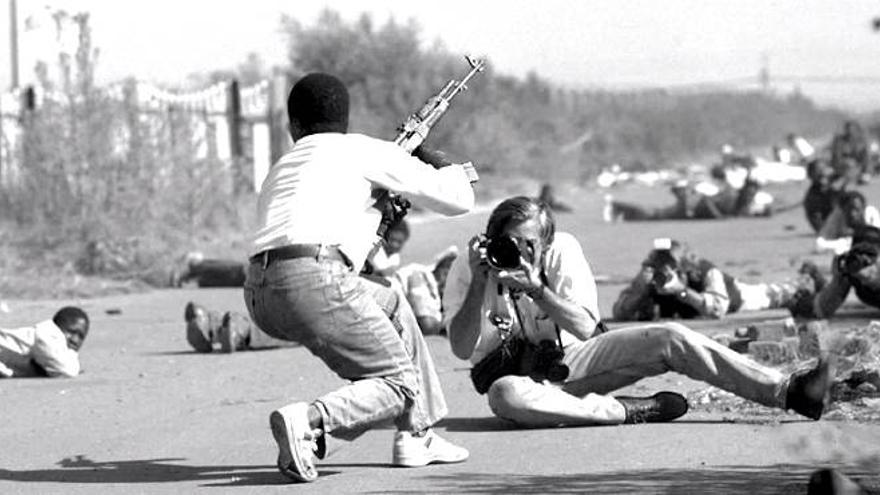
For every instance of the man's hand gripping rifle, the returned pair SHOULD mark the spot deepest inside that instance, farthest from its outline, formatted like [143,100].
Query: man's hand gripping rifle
[413,132]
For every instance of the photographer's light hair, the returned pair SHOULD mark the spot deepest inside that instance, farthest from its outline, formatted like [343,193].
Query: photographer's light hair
[519,209]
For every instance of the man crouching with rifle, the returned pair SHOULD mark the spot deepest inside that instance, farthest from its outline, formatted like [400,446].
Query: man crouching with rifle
[303,285]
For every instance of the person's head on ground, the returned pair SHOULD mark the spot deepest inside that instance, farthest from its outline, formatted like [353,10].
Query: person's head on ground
[317,103]
[74,324]
[853,205]
[528,222]
[718,173]
[396,236]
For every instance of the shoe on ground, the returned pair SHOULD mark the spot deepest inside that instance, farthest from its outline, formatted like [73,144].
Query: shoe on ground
[198,327]
[809,391]
[658,408]
[297,442]
[229,334]
[832,482]
[414,451]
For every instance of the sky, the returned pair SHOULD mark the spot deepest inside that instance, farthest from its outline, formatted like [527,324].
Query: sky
[828,46]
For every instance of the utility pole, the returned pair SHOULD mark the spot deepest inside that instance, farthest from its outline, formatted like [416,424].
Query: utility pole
[764,73]
[13,43]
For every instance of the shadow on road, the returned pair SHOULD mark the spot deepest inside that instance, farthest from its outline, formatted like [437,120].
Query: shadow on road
[778,479]
[82,470]
[486,423]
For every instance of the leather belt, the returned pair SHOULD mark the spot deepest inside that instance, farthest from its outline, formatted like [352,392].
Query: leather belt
[292,251]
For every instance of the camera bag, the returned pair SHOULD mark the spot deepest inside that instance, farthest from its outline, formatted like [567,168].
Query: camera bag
[504,360]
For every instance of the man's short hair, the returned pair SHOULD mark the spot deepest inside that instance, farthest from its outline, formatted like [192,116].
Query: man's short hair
[69,315]
[319,103]
[519,209]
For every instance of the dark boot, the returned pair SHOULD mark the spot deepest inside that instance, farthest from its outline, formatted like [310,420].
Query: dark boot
[233,333]
[201,327]
[809,391]
[658,408]
[832,482]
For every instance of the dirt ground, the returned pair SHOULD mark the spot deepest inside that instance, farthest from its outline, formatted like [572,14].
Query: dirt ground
[150,416]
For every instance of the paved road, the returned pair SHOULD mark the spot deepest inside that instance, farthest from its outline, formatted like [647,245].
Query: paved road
[147,416]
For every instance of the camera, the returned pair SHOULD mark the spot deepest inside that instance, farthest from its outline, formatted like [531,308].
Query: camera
[547,362]
[660,278]
[856,258]
[502,253]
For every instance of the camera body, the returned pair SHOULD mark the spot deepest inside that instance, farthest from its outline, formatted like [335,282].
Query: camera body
[501,253]
[660,260]
[854,261]
[660,278]
[547,362]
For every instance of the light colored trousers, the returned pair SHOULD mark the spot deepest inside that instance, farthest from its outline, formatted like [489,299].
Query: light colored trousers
[363,331]
[756,297]
[622,357]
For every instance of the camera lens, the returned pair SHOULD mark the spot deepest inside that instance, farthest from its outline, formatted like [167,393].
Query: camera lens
[557,372]
[660,277]
[503,253]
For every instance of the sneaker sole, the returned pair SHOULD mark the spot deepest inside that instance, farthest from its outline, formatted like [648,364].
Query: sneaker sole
[412,462]
[285,438]
[401,461]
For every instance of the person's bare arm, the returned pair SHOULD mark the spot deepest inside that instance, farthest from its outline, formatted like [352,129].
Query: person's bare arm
[635,302]
[831,297]
[465,324]
[713,301]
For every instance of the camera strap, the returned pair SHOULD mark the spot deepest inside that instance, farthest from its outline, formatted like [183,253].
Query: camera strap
[514,299]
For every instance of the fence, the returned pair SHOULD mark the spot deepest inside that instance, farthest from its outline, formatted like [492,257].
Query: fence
[243,128]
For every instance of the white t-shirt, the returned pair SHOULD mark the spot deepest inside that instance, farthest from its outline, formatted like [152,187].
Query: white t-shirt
[43,343]
[321,192]
[568,275]
[418,284]
[831,236]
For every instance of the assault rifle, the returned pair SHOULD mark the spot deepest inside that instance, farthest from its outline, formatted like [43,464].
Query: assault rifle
[412,132]
[415,129]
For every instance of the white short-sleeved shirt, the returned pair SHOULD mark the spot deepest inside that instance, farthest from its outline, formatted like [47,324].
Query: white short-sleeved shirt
[420,287]
[568,275]
[321,192]
[43,343]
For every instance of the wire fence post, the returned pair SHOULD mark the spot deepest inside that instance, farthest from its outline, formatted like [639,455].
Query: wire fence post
[236,147]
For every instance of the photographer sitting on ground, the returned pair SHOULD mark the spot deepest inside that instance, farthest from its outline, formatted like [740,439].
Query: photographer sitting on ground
[522,307]
[49,348]
[674,283]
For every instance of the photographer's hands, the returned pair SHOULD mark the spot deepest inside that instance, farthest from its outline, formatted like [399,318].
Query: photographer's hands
[477,258]
[526,278]
[674,284]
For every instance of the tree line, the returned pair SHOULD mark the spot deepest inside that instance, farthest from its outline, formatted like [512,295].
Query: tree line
[528,126]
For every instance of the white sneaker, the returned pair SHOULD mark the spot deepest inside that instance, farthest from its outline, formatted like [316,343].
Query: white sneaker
[296,442]
[412,451]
